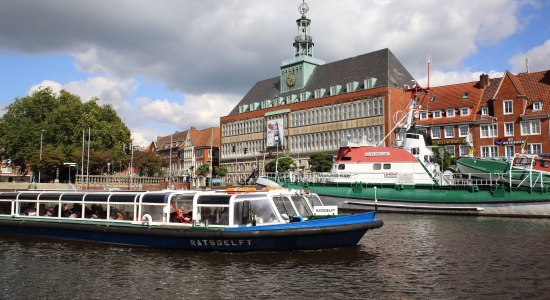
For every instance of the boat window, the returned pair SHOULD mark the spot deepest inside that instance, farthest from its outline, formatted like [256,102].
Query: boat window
[28,208]
[72,197]
[96,197]
[412,136]
[387,166]
[154,198]
[214,199]
[184,202]
[48,208]
[123,198]
[5,207]
[212,215]
[248,211]
[284,207]
[544,163]
[377,166]
[341,167]
[28,196]
[314,200]
[346,158]
[301,206]
[10,196]
[155,211]
[50,196]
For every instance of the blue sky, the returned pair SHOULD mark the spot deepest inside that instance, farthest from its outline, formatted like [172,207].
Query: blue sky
[168,65]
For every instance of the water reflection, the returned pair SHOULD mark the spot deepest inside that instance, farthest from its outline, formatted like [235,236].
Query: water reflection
[412,256]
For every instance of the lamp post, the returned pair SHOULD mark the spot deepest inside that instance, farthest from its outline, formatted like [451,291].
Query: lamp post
[41,135]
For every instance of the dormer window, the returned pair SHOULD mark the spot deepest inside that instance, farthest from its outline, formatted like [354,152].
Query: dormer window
[436,114]
[485,111]
[465,95]
[335,89]
[450,112]
[464,111]
[351,86]
[319,93]
[433,98]
[423,114]
[369,83]
[537,106]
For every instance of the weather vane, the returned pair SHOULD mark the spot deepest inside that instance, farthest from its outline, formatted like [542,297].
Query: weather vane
[303,8]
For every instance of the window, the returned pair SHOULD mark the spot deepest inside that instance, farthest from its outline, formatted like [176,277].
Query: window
[534,148]
[450,112]
[530,127]
[319,93]
[463,130]
[464,111]
[436,114]
[466,95]
[451,150]
[449,131]
[334,89]
[436,133]
[484,111]
[463,150]
[488,131]
[508,129]
[508,107]
[537,105]
[423,114]
[489,151]
[510,151]
[377,166]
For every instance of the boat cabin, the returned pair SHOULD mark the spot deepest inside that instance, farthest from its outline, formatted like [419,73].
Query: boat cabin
[167,208]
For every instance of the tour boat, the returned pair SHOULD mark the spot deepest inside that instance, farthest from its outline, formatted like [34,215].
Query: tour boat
[233,220]
[407,178]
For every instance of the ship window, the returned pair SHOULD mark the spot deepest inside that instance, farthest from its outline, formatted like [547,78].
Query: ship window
[387,166]
[346,158]
[544,163]
[341,167]
[377,166]
[301,206]
[283,205]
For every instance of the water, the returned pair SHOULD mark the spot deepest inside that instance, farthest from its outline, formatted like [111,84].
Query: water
[411,257]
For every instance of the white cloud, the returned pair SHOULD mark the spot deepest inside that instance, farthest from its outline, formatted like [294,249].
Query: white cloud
[539,59]
[439,78]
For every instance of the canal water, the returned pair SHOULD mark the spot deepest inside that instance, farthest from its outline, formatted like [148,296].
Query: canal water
[410,257]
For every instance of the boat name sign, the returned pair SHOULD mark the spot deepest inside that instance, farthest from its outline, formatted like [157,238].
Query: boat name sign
[220,243]
[385,153]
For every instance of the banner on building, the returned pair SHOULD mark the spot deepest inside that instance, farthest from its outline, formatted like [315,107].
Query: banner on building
[275,133]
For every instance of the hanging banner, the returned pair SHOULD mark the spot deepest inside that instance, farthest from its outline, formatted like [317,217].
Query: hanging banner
[275,133]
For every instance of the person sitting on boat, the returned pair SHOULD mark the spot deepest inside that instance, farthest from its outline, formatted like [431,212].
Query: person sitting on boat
[30,210]
[49,212]
[180,216]
[66,212]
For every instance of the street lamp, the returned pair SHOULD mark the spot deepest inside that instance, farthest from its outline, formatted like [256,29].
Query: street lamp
[70,165]
[41,135]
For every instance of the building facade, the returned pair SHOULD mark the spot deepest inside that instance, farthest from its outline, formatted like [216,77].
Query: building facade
[492,117]
[184,151]
[312,106]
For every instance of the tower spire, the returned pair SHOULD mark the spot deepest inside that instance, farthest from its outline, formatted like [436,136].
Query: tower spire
[303,42]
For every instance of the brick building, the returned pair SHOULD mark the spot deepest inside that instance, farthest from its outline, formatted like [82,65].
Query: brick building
[311,106]
[492,117]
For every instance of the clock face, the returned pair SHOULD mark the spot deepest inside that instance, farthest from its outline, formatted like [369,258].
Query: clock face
[291,79]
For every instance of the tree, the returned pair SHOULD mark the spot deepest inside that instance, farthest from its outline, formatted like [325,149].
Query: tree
[203,170]
[447,159]
[321,162]
[52,160]
[220,171]
[149,164]
[59,121]
[283,164]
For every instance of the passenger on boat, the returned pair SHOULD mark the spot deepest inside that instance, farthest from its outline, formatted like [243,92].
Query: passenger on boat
[49,212]
[180,216]
[30,210]
[66,212]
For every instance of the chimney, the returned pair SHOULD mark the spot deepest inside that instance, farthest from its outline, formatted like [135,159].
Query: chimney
[483,81]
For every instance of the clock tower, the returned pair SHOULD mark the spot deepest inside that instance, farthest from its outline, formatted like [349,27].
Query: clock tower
[295,72]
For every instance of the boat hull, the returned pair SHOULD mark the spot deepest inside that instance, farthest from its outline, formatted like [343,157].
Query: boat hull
[471,200]
[310,235]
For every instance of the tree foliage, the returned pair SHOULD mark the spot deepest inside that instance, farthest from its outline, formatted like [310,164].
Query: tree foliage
[60,121]
[203,170]
[149,164]
[447,159]
[282,166]
[220,171]
[321,162]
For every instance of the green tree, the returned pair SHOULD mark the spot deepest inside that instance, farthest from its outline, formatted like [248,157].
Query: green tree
[52,160]
[60,121]
[203,170]
[149,164]
[282,166]
[220,171]
[447,159]
[321,162]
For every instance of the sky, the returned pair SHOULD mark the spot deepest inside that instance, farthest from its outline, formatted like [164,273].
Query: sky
[167,65]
